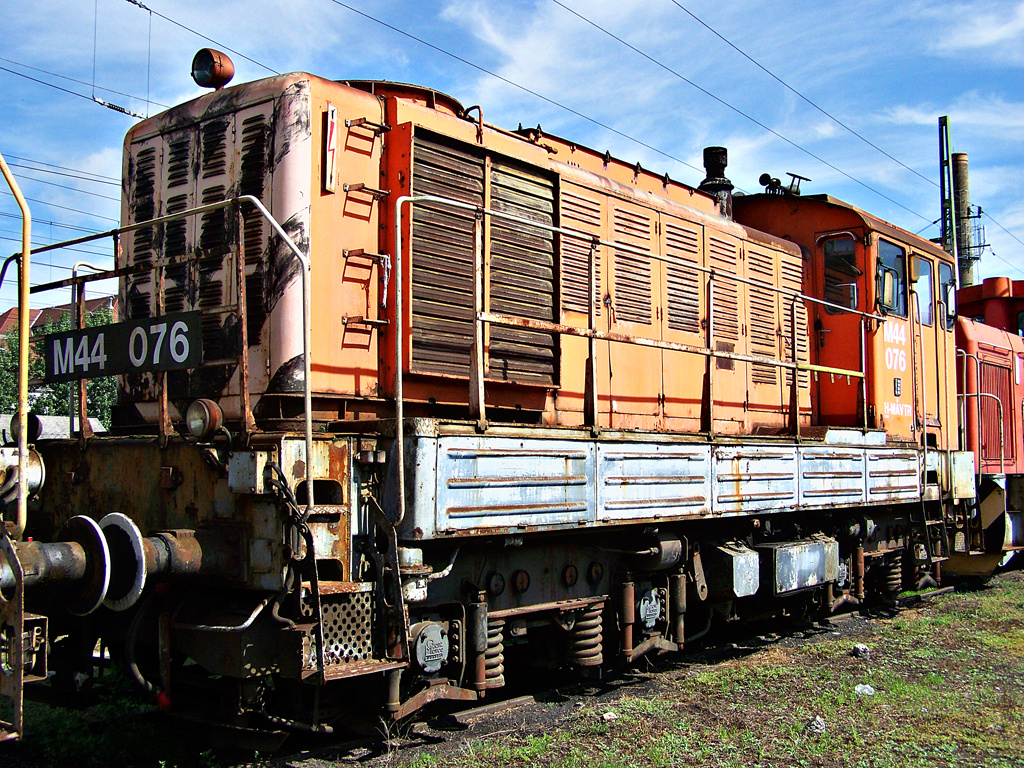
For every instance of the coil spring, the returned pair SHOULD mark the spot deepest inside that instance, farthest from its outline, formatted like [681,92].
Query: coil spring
[894,576]
[494,658]
[585,648]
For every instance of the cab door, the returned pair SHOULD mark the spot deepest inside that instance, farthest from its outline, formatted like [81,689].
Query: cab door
[839,279]
[928,331]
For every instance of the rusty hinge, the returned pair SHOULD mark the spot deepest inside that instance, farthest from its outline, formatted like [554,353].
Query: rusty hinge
[360,187]
[364,122]
[360,320]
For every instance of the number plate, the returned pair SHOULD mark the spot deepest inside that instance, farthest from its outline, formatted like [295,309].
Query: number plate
[155,344]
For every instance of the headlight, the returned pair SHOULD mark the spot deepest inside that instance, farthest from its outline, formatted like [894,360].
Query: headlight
[204,417]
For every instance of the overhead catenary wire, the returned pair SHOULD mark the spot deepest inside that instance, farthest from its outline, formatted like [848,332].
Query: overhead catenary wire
[64,207]
[735,109]
[200,34]
[793,90]
[514,84]
[72,80]
[70,188]
[108,179]
[61,173]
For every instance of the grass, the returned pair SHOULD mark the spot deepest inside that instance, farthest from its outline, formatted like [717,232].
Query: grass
[948,676]
[949,691]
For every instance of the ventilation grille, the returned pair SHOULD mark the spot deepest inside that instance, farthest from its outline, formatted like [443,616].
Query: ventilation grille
[442,262]
[522,281]
[195,165]
[521,277]
[763,328]
[632,270]
[682,248]
[995,380]
[791,276]
[347,627]
[723,257]
[580,213]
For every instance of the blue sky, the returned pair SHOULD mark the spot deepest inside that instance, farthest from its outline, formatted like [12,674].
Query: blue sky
[885,70]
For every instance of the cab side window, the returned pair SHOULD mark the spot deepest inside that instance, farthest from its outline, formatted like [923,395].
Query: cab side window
[891,279]
[841,272]
[925,293]
[947,295]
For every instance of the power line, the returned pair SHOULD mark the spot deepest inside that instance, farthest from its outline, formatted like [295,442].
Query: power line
[68,175]
[73,80]
[49,223]
[41,244]
[64,208]
[65,90]
[114,179]
[69,188]
[735,109]
[505,80]
[775,77]
[200,34]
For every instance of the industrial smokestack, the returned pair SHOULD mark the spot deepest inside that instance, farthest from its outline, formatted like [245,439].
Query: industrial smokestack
[968,262]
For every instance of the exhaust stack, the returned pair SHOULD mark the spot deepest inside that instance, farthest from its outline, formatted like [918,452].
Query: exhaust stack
[716,184]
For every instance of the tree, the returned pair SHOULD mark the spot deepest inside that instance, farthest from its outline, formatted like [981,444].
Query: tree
[54,399]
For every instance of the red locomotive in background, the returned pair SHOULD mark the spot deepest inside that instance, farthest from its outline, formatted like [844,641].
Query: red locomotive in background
[402,392]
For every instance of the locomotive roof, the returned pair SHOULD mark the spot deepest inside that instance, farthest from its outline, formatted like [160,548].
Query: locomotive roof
[870,221]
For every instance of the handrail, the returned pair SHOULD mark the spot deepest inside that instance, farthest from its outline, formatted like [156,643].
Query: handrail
[591,332]
[23,323]
[278,229]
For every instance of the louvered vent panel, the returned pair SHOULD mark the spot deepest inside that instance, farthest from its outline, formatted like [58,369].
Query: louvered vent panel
[142,206]
[632,270]
[791,279]
[522,281]
[200,164]
[442,257]
[580,213]
[254,179]
[722,257]
[682,248]
[995,380]
[763,327]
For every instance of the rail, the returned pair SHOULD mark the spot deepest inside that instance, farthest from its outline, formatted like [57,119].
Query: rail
[77,282]
[962,399]
[482,317]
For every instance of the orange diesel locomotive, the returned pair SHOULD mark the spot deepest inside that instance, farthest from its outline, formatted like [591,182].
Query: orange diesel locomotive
[402,393]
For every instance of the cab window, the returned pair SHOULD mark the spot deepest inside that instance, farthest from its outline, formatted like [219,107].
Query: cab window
[841,273]
[947,295]
[891,279]
[922,274]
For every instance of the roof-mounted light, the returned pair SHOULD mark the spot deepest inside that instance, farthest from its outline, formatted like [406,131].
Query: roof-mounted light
[212,69]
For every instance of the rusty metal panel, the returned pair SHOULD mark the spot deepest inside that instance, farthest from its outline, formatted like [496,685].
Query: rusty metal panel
[996,435]
[893,475]
[684,284]
[191,164]
[442,256]
[832,476]
[632,271]
[755,478]
[723,257]
[763,329]
[521,274]
[791,278]
[507,483]
[795,565]
[651,480]
[580,212]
